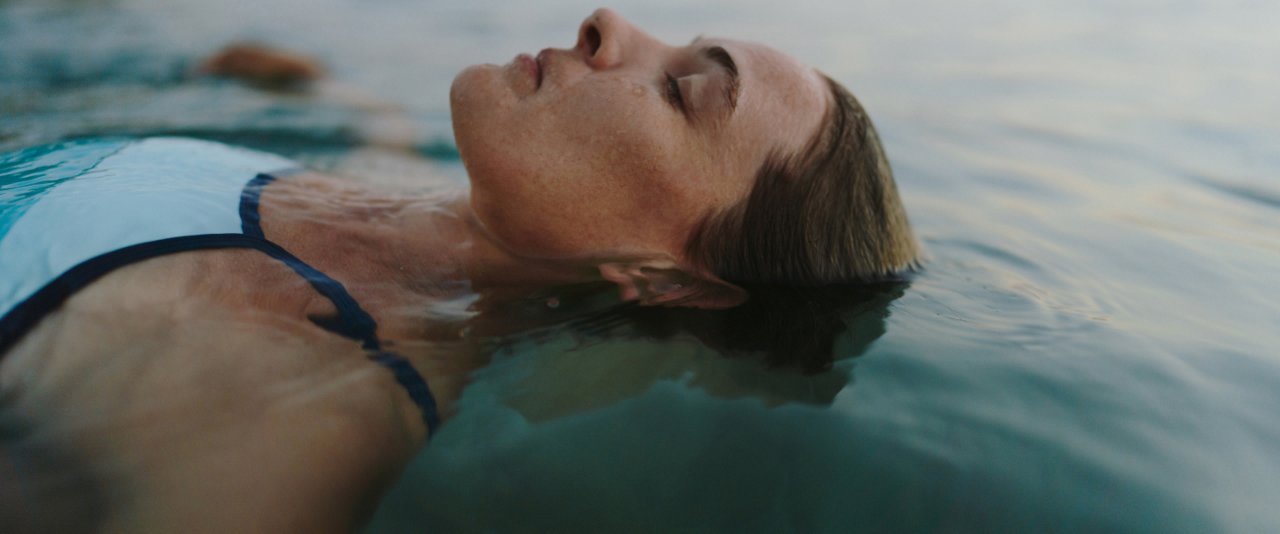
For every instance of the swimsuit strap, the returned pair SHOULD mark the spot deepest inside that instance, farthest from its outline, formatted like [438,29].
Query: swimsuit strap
[24,316]
[353,322]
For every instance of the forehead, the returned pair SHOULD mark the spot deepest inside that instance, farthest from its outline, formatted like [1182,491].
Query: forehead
[781,102]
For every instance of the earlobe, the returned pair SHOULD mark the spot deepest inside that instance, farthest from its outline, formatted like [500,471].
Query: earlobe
[625,276]
[663,283]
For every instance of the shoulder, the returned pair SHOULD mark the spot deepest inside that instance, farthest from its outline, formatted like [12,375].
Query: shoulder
[138,365]
[201,322]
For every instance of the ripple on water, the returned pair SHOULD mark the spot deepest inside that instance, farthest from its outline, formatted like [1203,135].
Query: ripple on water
[1251,192]
[1002,295]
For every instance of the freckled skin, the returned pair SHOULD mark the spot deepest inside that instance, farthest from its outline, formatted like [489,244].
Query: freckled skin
[597,163]
[208,383]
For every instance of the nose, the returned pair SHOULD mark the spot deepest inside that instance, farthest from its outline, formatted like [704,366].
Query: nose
[601,38]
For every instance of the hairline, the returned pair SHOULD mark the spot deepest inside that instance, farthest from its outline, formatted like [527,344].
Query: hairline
[821,142]
[772,236]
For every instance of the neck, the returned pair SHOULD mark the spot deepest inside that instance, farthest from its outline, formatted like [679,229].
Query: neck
[422,265]
[432,245]
[492,267]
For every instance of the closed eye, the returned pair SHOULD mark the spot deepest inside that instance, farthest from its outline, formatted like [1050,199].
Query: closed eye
[674,96]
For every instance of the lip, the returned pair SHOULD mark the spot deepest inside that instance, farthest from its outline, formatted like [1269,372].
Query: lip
[533,67]
[543,60]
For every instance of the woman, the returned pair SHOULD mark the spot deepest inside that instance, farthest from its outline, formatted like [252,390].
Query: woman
[230,366]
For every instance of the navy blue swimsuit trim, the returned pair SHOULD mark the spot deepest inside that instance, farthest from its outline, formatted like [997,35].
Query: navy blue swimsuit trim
[353,322]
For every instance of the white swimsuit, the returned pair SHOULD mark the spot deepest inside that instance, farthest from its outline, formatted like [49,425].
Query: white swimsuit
[140,191]
[72,212]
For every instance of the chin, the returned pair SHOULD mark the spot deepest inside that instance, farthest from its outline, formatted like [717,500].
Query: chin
[465,86]
[479,109]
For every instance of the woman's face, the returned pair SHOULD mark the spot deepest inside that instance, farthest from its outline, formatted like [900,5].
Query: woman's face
[618,146]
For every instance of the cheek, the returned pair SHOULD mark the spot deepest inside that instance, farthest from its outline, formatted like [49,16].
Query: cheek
[633,177]
[594,169]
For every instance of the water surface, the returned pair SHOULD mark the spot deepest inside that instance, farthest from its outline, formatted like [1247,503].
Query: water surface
[1093,345]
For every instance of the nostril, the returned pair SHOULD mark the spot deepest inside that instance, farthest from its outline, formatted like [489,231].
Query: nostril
[592,37]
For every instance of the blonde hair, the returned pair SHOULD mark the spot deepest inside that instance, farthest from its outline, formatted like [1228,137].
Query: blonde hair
[828,215]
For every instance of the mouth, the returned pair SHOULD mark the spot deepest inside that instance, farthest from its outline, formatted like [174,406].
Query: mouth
[543,61]
[533,67]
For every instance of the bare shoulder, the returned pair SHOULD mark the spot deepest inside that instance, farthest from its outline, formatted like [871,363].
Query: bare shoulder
[181,393]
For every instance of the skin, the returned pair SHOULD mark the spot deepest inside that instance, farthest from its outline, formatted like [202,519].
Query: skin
[214,400]
[596,164]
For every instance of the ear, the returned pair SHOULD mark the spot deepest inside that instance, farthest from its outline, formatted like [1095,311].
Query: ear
[664,283]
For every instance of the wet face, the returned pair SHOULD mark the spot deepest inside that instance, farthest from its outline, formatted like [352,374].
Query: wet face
[618,146]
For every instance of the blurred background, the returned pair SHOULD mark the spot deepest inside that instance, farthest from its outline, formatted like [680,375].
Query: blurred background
[1094,344]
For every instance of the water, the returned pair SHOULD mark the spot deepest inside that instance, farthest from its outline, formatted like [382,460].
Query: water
[1094,344]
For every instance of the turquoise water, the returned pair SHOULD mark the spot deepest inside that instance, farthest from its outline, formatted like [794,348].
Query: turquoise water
[1094,344]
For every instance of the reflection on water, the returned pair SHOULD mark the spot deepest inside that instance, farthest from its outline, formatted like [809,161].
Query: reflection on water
[1092,345]
[777,349]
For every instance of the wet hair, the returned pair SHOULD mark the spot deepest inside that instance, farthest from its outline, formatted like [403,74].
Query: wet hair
[828,215]
[785,345]
[821,244]
[805,329]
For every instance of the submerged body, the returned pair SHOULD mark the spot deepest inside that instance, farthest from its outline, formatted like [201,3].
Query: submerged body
[211,355]
[288,366]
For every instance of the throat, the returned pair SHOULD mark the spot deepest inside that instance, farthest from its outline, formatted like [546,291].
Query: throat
[371,240]
[418,263]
